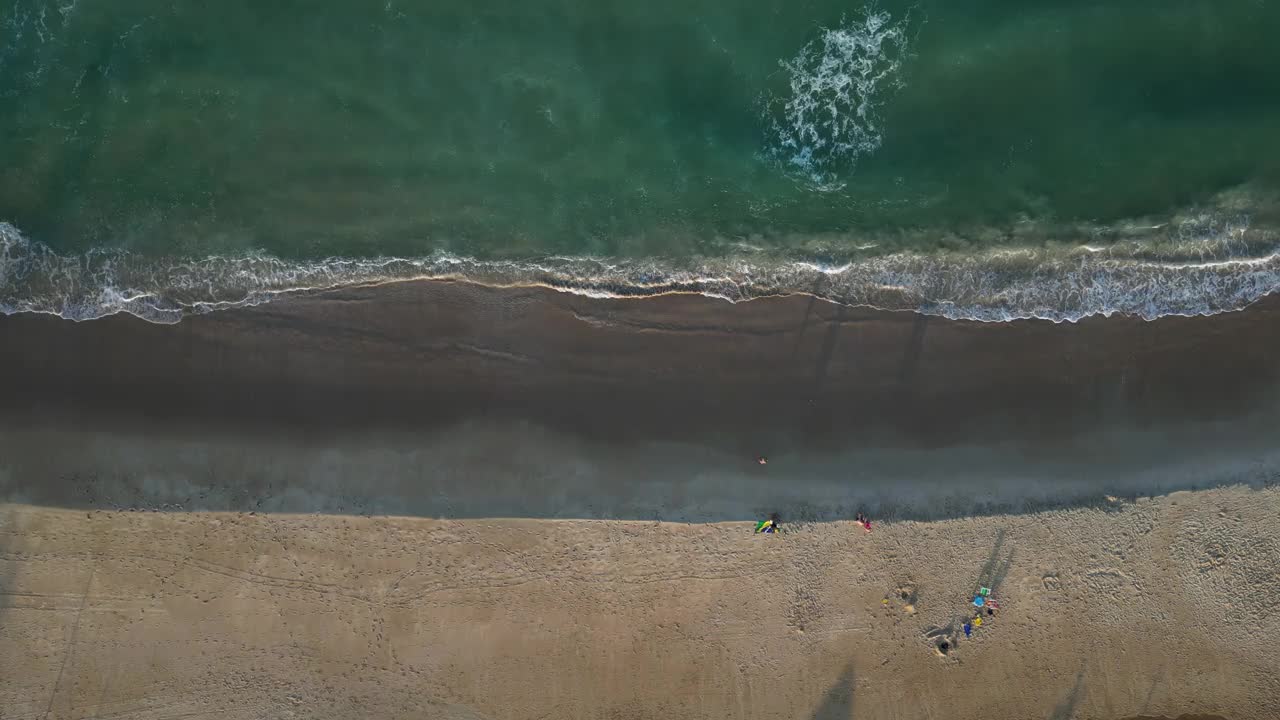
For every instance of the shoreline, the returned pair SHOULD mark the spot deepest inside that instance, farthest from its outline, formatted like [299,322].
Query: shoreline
[442,500]
[581,407]
[1193,265]
[383,351]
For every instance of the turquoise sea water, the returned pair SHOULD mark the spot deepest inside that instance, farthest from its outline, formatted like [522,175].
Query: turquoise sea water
[986,159]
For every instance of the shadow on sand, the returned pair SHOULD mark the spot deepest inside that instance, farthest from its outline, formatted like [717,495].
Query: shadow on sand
[837,704]
[996,567]
[1066,709]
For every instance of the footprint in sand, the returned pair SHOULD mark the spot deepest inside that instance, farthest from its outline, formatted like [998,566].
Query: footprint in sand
[1215,556]
[1228,569]
[908,597]
[1106,579]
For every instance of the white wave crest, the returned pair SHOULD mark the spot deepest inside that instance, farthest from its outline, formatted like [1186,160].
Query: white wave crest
[1205,266]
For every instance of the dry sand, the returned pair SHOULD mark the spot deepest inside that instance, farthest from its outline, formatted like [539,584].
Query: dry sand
[1157,607]
[434,500]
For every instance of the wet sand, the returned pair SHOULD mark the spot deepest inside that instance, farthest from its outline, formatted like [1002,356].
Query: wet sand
[637,409]
[674,367]
[444,500]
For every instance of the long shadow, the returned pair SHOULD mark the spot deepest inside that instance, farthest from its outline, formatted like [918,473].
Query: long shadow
[828,349]
[808,316]
[837,704]
[997,566]
[1151,692]
[8,579]
[9,597]
[12,594]
[1066,709]
[911,355]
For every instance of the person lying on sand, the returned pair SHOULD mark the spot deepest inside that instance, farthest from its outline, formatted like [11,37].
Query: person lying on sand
[768,526]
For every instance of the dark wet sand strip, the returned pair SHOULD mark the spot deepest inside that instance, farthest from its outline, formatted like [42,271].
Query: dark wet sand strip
[448,399]
[416,354]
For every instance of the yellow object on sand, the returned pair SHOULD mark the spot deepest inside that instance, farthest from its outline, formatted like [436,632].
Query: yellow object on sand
[977,622]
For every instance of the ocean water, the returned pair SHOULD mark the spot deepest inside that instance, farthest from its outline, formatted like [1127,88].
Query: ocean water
[987,160]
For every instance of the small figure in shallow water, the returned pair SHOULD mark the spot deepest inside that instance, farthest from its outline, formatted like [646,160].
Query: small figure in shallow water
[762,460]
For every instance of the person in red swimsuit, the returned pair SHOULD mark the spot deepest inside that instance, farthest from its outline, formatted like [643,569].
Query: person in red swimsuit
[863,521]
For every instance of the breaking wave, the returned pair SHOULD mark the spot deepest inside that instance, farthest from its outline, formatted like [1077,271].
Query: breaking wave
[1204,266]
[837,83]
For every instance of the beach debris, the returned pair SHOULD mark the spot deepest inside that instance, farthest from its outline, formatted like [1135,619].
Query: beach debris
[979,601]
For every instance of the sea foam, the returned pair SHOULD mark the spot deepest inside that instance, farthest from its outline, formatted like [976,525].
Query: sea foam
[1201,266]
[829,115]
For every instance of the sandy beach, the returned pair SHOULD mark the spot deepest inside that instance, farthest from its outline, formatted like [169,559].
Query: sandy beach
[1158,608]
[444,500]
[450,360]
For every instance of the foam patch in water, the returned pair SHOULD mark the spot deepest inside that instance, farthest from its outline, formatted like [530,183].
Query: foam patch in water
[837,82]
